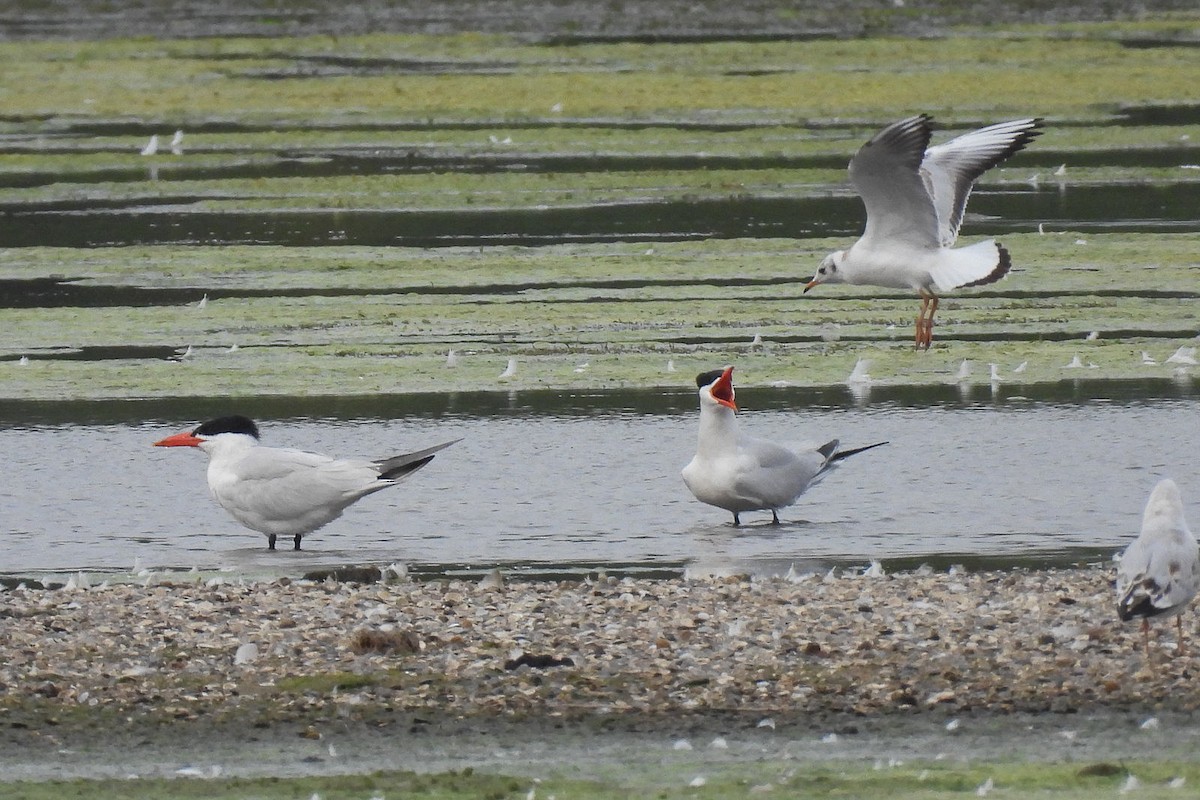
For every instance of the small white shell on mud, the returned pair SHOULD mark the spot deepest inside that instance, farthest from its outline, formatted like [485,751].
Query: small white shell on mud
[246,653]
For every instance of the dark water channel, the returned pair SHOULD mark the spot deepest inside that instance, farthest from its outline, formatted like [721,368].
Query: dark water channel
[1128,208]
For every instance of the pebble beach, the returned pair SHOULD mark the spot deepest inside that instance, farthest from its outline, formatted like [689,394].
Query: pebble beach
[291,650]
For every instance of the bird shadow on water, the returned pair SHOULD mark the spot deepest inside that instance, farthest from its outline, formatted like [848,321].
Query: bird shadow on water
[754,526]
[312,555]
[762,548]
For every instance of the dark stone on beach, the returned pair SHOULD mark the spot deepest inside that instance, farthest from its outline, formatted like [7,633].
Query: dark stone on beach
[346,574]
[537,662]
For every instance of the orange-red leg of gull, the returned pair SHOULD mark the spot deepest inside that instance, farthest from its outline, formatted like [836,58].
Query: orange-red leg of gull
[929,305]
[920,332]
[933,307]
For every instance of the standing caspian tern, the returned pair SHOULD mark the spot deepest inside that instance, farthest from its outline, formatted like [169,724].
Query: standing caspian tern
[740,473]
[282,492]
[915,197]
[1159,573]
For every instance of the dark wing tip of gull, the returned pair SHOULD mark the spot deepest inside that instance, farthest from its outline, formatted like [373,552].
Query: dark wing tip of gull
[1031,132]
[909,136]
[1138,602]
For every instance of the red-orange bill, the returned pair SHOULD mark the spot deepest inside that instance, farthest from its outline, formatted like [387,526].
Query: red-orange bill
[185,439]
[722,389]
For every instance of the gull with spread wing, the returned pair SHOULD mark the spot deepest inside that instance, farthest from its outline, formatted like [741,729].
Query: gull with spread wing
[915,197]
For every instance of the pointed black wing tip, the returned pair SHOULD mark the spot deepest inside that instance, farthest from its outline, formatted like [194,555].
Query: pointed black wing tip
[405,469]
[921,124]
[847,453]
[922,121]
[403,464]
[1018,143]
[1132,607]
[1026,136]
[910,136]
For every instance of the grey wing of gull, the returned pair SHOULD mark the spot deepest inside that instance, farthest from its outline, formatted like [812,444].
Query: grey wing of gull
[1155,577]
[885,173]
[949,170]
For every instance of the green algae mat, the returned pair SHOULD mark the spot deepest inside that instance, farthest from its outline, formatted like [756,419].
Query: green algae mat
[339,214]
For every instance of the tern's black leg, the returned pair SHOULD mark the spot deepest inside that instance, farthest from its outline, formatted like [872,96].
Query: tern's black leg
[774,517]
[297,542]
[270,541]
[736,521]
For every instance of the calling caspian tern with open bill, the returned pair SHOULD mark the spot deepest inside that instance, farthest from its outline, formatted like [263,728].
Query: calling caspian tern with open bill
[740,473]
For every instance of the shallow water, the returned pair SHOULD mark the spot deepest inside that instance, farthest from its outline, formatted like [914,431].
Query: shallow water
[592,481]
[1143,208]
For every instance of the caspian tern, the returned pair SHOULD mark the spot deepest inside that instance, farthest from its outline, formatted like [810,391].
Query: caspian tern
[1159,573]
[282,492]
[915,197]
[740,473]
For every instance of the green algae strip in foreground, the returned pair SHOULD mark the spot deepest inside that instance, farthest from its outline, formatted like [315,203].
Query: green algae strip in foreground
[932,781]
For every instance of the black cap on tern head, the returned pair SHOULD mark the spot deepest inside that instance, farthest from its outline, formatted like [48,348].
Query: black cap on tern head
[705,378]
[231,424]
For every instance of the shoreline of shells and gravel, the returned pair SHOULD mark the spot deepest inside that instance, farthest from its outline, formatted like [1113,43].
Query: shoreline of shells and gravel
[177,650]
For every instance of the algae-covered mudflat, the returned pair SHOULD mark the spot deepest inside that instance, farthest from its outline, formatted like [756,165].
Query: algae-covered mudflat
[355,207]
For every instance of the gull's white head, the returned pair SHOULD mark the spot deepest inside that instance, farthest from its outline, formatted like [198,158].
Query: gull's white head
[1164,509]
[716,389]
[829,270]
[233,431]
